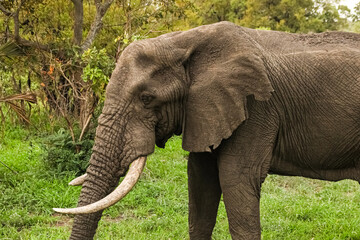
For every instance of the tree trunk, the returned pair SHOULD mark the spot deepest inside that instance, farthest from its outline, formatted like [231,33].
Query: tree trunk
[78,21]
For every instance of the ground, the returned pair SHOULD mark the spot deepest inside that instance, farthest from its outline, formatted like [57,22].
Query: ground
[291,207]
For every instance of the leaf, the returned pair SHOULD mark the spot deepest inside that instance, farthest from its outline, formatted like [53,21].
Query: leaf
[125,40]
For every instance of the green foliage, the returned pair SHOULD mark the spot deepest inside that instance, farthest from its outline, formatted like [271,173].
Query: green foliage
[295,16]
[98,69]
[356,15]
[206,12]
[354,26]
[331,15]
[126,39]
[143,19]
[62,155]
[283,15]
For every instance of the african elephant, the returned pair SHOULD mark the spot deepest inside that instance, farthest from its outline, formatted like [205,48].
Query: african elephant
[247,103]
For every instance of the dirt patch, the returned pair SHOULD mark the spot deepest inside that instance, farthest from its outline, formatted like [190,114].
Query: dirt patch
[118,218]
[62,220]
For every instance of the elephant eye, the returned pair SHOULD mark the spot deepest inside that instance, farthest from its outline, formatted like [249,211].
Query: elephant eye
[146,98]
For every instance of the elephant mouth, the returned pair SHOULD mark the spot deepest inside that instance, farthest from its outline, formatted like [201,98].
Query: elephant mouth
[120,192]
[160,142]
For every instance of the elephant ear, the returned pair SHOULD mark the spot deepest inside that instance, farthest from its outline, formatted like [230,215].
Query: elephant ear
[224,66]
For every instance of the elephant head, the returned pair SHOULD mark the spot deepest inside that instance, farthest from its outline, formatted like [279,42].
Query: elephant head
[193,83]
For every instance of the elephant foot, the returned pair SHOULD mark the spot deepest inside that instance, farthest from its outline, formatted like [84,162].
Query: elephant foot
[246,237]
[199,236]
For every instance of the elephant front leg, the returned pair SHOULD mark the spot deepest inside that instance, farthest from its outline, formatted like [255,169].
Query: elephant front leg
[204,194]
[241,186]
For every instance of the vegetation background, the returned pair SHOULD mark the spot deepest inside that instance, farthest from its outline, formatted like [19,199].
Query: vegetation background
[56,58]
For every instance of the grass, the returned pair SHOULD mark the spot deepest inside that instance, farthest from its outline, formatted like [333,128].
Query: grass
[291,207]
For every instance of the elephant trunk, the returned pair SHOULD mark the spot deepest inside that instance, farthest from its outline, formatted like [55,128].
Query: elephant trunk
[120,140]
[109,161]
[98,184]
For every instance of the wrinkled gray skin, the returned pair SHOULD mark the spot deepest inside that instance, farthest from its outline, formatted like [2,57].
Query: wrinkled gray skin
[248,103]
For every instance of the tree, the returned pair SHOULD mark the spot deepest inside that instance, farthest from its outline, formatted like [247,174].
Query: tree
[34,26]
[295,15]
[355,25]
[211,11]
[333,17]
[71,45]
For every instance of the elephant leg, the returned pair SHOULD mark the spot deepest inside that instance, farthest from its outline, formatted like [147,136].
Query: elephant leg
[241,197]
[243,162]
[204,194]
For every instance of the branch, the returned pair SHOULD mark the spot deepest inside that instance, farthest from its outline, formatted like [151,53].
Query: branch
[101,9]
[86,125]
[5,11]
[16,21]
[69,81]
[63,114]
[27,43]
[16,36]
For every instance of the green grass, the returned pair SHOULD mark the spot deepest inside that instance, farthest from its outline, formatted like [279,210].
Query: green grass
[291,207]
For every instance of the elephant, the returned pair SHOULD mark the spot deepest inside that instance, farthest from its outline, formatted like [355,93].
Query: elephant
[248,103]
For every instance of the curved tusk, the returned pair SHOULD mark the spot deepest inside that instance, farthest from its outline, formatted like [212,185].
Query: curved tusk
[124,188]
[78,181]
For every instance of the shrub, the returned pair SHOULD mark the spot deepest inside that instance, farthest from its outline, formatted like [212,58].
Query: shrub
[62,154]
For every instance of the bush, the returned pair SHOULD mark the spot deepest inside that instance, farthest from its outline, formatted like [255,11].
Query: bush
[63,155]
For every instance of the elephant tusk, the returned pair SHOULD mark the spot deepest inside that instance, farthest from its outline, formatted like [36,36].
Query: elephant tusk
[124,188]
[78,181]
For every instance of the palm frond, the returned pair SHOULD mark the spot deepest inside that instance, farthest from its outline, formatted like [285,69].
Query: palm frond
[19,109]
[28,97]
[11,49]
